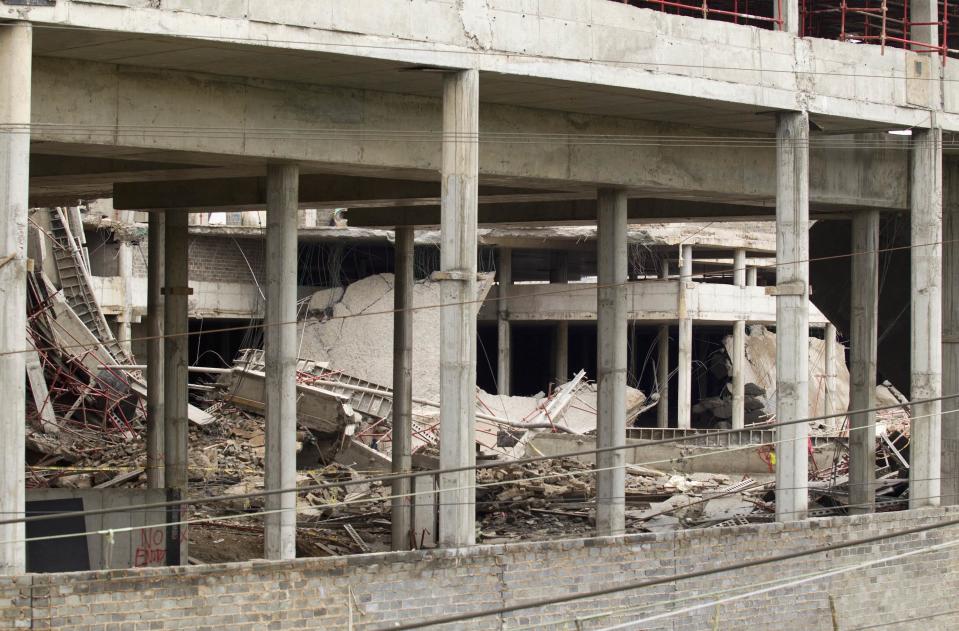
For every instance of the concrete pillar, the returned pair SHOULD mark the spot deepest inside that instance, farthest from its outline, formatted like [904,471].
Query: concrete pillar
[924,14]
[504,355]
[16,50]
[950,334]
[863,331]
[752,277]
[176,294]
[739,349]
[684,368]
[279,345]
[125,268]
[830,382]
[792,313]
[156,253]
[662,376]
[926,336]
[401,512]
[611,361]
[460,173]
[788,12]
[559,273]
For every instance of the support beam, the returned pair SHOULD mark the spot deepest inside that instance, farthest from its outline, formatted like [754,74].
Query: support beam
[830,381]
[16,50]
[176,355]
[950,334]
[684,367]
[156,254]
[863,332]
[279,347]
[611,362]
[752,277]
[739,349]
[792,313]
[460,172]
[926,335]
[125,267]
[504,355]
[662,364]
[559,273]
[401,512]
[662,376]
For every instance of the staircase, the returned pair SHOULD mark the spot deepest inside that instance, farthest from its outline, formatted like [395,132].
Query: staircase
[75,284]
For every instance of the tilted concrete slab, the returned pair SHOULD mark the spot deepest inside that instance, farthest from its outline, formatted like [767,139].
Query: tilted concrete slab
[653,301]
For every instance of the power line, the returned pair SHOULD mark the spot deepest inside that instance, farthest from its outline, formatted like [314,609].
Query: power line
[792,583]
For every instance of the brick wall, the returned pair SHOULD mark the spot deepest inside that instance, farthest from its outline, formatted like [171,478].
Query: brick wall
[216,259]
[377,589]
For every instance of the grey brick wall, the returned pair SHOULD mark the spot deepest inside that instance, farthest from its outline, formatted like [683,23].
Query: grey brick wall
[216,259]
[376,590]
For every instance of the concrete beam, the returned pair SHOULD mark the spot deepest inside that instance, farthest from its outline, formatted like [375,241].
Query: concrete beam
[662,376]
[315,189]
[611,362]
[16,46]
[280,353]
[559,274]
[926,324]
[401,511]
[573,212]
[176,360]
[792,314]
[864,327]
[263,112]
[460,171]
[648,301]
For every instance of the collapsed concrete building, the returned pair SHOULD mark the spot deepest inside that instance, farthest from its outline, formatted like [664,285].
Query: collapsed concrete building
[547,142]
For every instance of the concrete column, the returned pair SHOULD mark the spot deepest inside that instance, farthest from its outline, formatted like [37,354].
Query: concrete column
[125,267]
[16,50]
[401,512]
[924,14]
[460,173]
[684,368]
[176,294]
[950,334]
[830,383]
[792,313]
[662,376]
[788,12]
[156,254]
[504,355]
[926,337]
[279,345]
[863,331]
[559,273]
[752,277]
[739,348]
[611,362]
